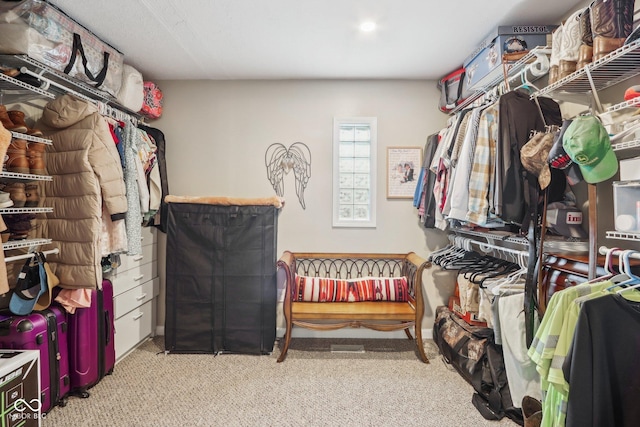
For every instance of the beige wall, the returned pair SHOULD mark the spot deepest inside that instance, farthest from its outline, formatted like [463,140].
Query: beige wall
[218,131]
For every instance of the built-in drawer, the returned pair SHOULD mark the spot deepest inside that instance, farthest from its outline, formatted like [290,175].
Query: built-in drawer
[149,235]
[133,327]
[127,301]
[127,262]
[123,281]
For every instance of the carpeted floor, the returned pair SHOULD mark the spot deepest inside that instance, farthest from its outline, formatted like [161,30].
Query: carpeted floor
[384,386]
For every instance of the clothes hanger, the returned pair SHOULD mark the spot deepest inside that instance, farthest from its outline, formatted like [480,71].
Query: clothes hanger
[634,280]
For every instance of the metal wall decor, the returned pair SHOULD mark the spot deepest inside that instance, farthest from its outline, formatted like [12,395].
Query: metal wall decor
[279,160]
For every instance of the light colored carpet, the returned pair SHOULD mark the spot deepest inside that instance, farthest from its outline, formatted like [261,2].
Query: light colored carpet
[385,386]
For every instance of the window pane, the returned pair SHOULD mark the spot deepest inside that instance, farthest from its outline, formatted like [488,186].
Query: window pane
[346,196]
[346,212]
[346,149]
[347,133]
[362,149]
[360,180]
[346,165]
[362,133]
[361,213]
[361,165]
[346,180]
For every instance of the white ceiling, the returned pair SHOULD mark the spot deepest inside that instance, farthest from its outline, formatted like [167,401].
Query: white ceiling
[302,39]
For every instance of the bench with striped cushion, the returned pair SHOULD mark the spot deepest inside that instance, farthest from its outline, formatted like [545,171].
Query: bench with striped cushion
[327,291]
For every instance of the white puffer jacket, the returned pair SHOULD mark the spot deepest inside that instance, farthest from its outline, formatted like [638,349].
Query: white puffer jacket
[87,173]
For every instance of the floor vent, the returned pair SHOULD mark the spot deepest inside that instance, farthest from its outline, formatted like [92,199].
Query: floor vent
[347,348]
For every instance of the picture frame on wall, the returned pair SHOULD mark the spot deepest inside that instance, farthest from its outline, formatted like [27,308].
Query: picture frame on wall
[403,169]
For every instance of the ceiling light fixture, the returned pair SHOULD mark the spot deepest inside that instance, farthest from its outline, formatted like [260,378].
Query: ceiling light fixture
[367,27]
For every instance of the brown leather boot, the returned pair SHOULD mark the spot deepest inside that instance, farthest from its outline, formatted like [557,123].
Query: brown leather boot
[16,160]
[17,117]
[585,55]
[32,192]
[8,123]
[611,24]
[566,68]
[531,411]
[36,160]
[16,193]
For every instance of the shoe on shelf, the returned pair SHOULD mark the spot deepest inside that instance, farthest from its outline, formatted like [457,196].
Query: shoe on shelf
[35,157]
[17,117]
[632,92]
[5,200]
[16,193]
[16,159]
[32,193]
[8,123]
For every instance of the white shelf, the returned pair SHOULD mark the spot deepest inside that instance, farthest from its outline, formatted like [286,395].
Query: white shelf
[623,235]
[30,138]
[26,177]
[28,243]
[616,67]
[632,103]
[626,145]
[25,210]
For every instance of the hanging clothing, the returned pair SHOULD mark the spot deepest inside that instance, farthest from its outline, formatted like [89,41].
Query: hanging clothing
[85,166]
[133,220]
[160,219]
[519,115]
[603,363]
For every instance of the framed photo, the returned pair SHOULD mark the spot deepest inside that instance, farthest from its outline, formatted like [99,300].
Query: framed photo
[403,168]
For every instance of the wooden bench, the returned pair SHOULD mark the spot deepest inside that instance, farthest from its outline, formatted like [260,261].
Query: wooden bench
[376,315]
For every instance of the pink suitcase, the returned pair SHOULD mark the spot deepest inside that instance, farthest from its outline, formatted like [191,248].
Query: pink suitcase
[92,353]
[45,331]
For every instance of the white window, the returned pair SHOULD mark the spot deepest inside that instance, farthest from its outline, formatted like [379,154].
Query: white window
[354,172]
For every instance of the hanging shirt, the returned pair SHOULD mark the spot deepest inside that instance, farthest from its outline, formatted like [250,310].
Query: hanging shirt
[603,364]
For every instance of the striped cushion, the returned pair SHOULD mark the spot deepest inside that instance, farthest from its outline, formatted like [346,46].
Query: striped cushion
[323,289]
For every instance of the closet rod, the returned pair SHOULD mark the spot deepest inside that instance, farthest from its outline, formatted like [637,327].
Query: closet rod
[30,255]
[484,246]
[633,254]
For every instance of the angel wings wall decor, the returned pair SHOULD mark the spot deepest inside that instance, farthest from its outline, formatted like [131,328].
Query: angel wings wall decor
[279,160]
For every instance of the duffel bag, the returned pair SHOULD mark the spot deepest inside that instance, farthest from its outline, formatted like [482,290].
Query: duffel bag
[451,90]
[471,350]
[48,35]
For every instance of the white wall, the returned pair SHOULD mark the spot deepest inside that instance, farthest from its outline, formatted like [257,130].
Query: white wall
[218,131]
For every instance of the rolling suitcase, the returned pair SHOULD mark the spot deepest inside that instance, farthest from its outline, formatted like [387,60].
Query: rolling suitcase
[92,353]
[45,331]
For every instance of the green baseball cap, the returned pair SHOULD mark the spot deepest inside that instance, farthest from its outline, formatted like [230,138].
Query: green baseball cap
[587,142]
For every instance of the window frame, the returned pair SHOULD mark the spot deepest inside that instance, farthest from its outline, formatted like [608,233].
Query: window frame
[372,123]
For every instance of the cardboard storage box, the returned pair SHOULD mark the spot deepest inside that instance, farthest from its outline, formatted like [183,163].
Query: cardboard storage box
[484,65]
[20,387]
[626,206]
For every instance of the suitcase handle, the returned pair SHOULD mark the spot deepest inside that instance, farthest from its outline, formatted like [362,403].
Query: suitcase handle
[107,328]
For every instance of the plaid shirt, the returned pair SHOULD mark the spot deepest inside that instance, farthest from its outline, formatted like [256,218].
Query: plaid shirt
[482,177]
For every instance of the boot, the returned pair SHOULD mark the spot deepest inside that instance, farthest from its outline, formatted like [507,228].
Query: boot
[570,45]
[32,193]
[566,68]
[611,24]
[531,411]
[8,123]
[554,60]
[17,193]
[16,160]
[17,117]
[585,55]
[36,160]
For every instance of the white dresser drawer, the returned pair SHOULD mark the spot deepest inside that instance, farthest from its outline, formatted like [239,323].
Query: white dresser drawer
[149,235]
[149,253]
[127,301]
[133,327]
[123,281]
